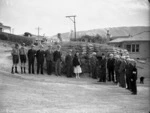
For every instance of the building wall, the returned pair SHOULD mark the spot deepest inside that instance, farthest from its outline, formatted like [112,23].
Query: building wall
[144,52]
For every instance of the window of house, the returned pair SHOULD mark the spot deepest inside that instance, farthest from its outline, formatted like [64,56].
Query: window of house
[133,47]
[128,47]
[137,47]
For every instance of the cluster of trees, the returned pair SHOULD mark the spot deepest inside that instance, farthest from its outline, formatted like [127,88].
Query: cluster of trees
[94,39]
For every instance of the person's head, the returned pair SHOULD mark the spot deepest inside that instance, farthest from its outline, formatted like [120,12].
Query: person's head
[123,57]
[70,52]
[23,44]
[49,47]
[103,56]
[16,45]
[133,62]
[77,54]
[94,54]
[41,47]
[32,46]
[58,47]
[111,55]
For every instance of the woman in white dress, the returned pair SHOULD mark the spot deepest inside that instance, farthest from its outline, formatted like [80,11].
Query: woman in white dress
[76,65]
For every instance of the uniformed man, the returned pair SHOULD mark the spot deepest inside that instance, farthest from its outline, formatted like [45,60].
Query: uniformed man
[102,69]
[49,59]
[23,55]
[31,58]
[69,65]
[133,77]
[110,67]
[15,58]
[117,66]
[57,60]
[93,61]
[122,70]
[40,54]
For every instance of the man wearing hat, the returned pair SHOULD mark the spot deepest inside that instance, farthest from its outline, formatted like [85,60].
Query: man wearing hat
[69,65]
[122,70]
[110,67]
[57,60]
[15,58]
[93,61]
[31,57]
[49,59]
[40,54]
[23,54]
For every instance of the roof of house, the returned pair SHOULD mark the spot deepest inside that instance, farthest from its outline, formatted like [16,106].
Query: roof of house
[144,36]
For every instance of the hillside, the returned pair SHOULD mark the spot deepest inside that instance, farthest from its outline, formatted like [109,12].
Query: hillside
[114,31]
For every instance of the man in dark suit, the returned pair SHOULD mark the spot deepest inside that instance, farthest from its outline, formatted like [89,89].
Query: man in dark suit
[57,60]
[69,66]
[40,54]
[110,67]
[31,57]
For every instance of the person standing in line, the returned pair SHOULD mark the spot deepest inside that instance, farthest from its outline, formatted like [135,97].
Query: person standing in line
[57,60]
[128,73]
[49,59]
[23,57]
[102,69]
[76,65]
[122,71]
[68,61]
[93,62]
[117,66]
[31,58]
[40,54]
[110,67]
[133,77]
[15,58]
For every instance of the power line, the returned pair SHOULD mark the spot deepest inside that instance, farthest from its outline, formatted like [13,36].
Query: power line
[74,21]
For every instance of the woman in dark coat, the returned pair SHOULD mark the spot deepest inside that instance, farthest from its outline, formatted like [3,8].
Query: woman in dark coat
[76,65]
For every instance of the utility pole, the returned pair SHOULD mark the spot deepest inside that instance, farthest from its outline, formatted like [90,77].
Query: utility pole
[38,29]
[74,21]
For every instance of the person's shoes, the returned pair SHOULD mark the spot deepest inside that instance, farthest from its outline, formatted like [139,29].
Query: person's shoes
[134,93]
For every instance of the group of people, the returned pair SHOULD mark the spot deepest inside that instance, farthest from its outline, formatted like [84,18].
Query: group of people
[52,58]
[119,69]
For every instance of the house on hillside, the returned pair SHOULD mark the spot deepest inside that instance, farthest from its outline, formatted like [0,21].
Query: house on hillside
[4,27]
[138,45]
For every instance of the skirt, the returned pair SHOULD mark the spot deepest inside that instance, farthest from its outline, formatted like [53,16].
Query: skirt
[77,69]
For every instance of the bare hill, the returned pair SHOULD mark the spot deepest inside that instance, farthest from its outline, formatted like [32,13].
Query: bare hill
[114,31]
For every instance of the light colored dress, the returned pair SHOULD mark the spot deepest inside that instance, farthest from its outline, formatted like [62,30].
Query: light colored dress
[77,69]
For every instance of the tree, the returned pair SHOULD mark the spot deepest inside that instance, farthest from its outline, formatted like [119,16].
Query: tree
[27,34]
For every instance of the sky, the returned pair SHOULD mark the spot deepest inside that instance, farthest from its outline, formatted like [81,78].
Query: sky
[50,15]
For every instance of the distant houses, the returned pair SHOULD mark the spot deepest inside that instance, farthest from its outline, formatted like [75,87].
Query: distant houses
[138,45]
[4,27]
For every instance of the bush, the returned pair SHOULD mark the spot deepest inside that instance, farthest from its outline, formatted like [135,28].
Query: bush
[3,37]
[16,38]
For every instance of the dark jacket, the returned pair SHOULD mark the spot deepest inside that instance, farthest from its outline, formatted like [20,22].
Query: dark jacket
[31,54]
[111,63]
[57,55]
[134,74]
[40,56]
[76,61]
[68,60]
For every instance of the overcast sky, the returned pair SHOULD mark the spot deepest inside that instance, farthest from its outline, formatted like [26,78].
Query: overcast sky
[27,15]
